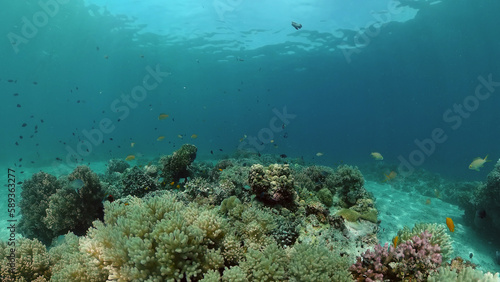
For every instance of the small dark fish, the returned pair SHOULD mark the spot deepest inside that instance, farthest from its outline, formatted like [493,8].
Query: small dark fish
[283,156]
[110,198]
[211,152]
[21,159]
[111,139]
[78,101]
[36,127]
[18,105]
[58,159]
[19,183]
[77,88]
[24,125]
[41,120]
[16,94]
[285,135]
[34,82]
[32,116]
[97,48]
[37,144]
[11,80]
[17,144]
[22,171]
[31,136]
[471,255]
[118,120]
[32,162]
[220,150]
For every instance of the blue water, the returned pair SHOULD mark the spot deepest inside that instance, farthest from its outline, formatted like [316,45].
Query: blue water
[230,63]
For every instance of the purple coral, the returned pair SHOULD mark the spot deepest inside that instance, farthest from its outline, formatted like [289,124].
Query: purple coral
[415,258]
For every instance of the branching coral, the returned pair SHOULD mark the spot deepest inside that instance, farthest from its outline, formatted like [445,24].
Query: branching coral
[413,259]
[157,238]
[439,236]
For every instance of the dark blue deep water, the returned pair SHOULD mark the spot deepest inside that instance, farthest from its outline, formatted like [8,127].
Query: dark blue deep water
[81,81]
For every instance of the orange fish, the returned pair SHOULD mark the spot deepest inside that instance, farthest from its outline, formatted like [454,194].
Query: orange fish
[395,241]
[390,176]
[130,157]
[194,136]
[450,224]
[172,183]
[162,116]
[160,138]
[178,186]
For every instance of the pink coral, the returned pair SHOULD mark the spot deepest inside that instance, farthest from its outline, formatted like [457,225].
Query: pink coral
[414,259]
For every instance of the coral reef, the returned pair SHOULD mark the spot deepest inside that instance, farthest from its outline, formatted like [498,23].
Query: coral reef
[176,166]
[481,206]
[446,274]
[136,182]
[34,202]
[273,184]
[52,207]
[439,236]
[413,259]
[116,165]
[157,238]
[348,183]
[73,209]
[32,262]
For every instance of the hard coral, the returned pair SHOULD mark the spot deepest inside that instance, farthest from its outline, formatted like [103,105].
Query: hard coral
[348,182]
[175,166]
[413,259]
[273,184]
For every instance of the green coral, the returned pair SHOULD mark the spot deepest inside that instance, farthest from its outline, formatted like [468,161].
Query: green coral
[326,197]
[34,203]
[176,166]
[317,263]
[52,207]
[266,265]
[348,182]
[349,215]
[439,236]
[446,274]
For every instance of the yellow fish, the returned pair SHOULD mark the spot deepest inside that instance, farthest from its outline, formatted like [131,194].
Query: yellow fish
[244,137]
[390,176]
[194,136]
[319,154]
[450,224]
[172,183]
[395,241]
[160,138]
[162,116]
[130,157]
[377,156]
[132,145]
[178,186]
[478,162]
